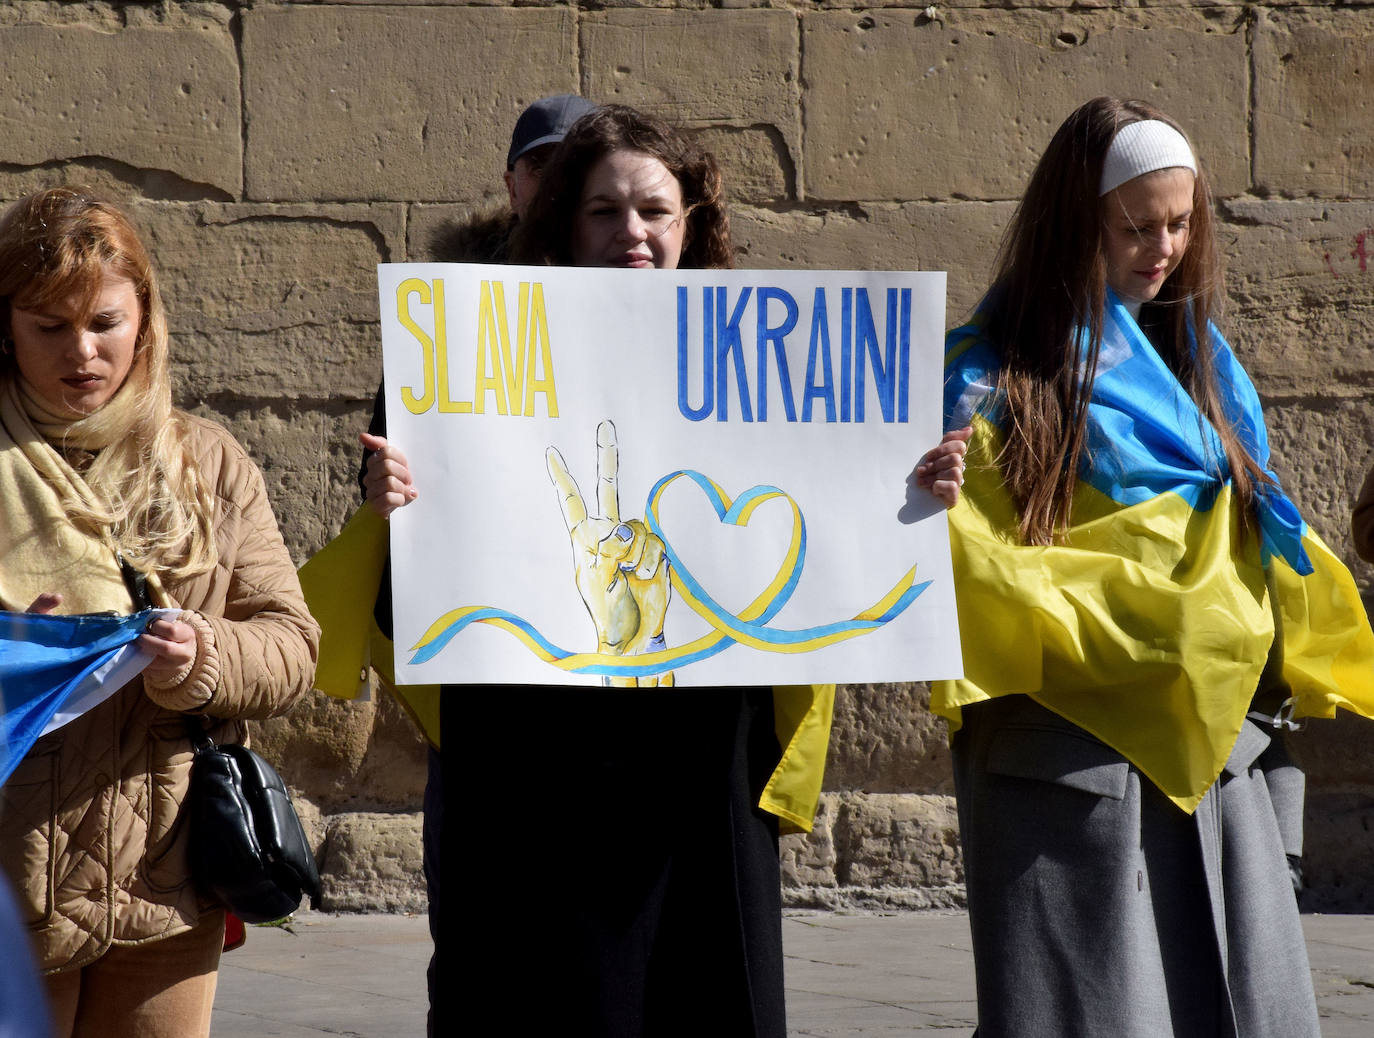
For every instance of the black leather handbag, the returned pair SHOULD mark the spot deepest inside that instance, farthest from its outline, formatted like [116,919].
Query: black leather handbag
[248,848]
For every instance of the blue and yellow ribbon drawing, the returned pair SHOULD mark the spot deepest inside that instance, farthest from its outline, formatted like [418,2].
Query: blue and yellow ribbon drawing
[749,627]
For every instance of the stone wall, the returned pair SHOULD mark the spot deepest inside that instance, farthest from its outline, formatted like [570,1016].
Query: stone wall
[274,152]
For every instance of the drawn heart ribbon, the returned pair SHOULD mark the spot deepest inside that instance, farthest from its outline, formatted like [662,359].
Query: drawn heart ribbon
[748,627]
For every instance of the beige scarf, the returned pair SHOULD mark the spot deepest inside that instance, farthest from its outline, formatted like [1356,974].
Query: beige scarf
[41,549]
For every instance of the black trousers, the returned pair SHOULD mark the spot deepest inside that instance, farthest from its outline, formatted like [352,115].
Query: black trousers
[609,870]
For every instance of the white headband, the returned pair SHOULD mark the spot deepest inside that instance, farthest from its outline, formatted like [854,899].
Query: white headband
[1143,147]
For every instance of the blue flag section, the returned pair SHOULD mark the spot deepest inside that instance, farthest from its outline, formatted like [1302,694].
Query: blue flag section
[1145,434]
[48,662]
[23,1009]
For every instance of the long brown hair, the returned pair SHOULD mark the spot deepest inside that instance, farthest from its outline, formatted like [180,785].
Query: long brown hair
[61,244]
[1050,289]
[545,234]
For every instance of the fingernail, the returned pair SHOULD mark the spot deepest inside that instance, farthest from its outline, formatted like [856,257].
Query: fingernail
[624,533]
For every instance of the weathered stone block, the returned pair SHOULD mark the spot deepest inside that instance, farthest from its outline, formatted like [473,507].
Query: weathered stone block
[1313,104]
[1336,755]
[755,163]
[1338,855]
[347,755]
[1322,452]
[808,859]
[886,740]
[392,103]
[319,747]
[636,57]
[960,238]
[903,108]
[118,182]
[312,820]
[905,840]
[309,459]
[163,97]
[275,302]
[393,771]
[1300,277]
[676,5]
[373,863]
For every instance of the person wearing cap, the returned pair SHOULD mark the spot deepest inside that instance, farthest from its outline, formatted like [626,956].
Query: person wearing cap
[482,238]
[540,126]
[1142,611]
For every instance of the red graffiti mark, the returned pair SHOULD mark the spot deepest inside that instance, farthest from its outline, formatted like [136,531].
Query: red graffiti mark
[1359,252]
[1327,257]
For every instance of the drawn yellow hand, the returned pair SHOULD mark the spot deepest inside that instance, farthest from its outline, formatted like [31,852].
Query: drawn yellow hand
[618,565]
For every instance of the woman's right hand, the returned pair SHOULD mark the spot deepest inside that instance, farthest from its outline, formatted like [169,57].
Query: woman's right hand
[387,484]
[45,603]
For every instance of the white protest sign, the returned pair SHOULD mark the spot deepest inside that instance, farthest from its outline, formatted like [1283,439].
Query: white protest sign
[698,477]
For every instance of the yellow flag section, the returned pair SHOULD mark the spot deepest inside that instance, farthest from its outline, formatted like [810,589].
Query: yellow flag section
[801,718]
[1328,664]
[341,583]
[1147,625]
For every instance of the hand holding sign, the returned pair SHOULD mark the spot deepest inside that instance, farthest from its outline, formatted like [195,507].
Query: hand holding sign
[619,566]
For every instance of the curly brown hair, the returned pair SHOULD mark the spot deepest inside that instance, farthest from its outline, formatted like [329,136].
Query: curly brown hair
[545,235]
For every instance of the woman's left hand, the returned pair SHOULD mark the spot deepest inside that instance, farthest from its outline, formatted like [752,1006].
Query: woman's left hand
[173,645]
[941,469]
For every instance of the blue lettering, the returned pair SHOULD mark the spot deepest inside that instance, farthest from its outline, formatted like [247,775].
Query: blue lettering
[708,358]
[846,347]
[866,346]
[777,335]
[869,356]
[730,344]
[820,338]
[904,365]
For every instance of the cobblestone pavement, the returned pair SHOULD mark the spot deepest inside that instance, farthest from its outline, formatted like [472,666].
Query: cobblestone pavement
[905,974]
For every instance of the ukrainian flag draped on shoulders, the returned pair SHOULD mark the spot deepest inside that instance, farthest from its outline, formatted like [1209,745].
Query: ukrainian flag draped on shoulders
[1149,622]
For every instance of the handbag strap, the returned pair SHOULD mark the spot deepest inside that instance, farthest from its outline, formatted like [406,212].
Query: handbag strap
[200,738]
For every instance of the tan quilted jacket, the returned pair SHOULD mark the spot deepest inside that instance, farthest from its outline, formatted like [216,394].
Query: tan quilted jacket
[89,822]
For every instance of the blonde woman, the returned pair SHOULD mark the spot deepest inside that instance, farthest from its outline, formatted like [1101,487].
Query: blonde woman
[113,500]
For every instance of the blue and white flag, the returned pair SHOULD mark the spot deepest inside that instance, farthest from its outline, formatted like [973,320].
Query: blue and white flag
[55,668]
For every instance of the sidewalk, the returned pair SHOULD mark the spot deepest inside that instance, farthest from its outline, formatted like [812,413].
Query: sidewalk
[910,974]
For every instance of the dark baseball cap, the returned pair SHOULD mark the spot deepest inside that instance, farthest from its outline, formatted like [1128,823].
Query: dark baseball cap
[545,122]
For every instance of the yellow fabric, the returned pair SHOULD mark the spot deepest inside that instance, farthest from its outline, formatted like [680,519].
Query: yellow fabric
[340,584]
[1147,625]
[801,716]
[1325,664]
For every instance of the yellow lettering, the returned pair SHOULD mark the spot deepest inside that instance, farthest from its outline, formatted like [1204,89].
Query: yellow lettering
[447,405]
[493,337]
[514,355]
[414,286]
[538,340]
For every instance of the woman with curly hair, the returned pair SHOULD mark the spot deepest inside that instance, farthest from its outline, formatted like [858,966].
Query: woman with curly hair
[113,500]
[643,805]
[608,158]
